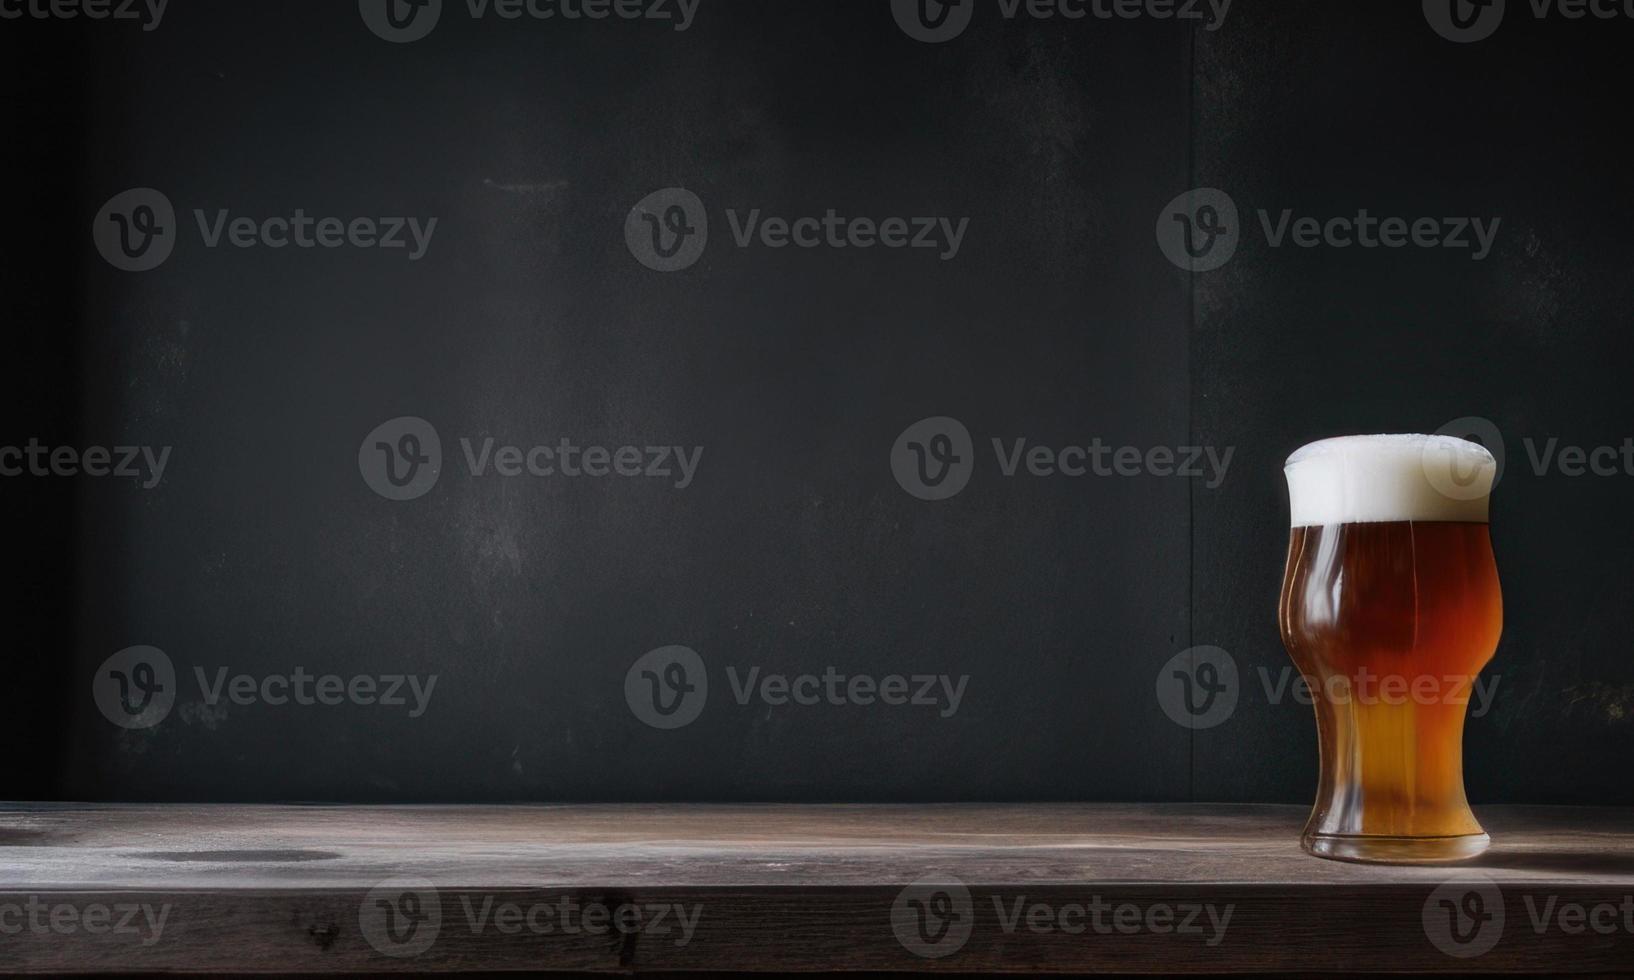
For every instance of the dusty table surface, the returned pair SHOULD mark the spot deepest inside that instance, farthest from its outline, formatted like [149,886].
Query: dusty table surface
[954,888]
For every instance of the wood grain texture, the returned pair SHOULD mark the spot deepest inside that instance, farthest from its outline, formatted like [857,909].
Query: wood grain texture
[1064,888]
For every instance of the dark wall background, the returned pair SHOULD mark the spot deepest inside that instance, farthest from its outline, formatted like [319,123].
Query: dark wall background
[795,549]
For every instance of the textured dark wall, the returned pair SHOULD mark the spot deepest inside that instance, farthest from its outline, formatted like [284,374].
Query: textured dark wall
[1054,601]
[1327,109]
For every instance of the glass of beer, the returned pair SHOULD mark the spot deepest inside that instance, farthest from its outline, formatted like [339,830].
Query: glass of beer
[1390,608]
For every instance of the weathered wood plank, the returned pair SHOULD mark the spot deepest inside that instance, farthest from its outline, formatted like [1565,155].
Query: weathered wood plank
[1066,888]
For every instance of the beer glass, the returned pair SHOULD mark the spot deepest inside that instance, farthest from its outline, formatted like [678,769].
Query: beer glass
[1390,608]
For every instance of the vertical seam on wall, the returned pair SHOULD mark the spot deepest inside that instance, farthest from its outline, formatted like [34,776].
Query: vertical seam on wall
[1191,428]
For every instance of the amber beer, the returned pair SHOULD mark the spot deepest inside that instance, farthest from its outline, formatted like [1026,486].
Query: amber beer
[1390,608]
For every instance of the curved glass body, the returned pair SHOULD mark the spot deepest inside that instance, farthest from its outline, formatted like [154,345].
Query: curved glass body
[1390,622]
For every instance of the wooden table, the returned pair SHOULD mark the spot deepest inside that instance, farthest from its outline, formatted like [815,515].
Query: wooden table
[1069,888]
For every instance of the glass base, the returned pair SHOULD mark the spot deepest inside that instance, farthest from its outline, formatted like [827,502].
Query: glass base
[1395,850]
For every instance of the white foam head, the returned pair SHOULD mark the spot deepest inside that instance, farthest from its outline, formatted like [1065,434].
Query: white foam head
[1374,479]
